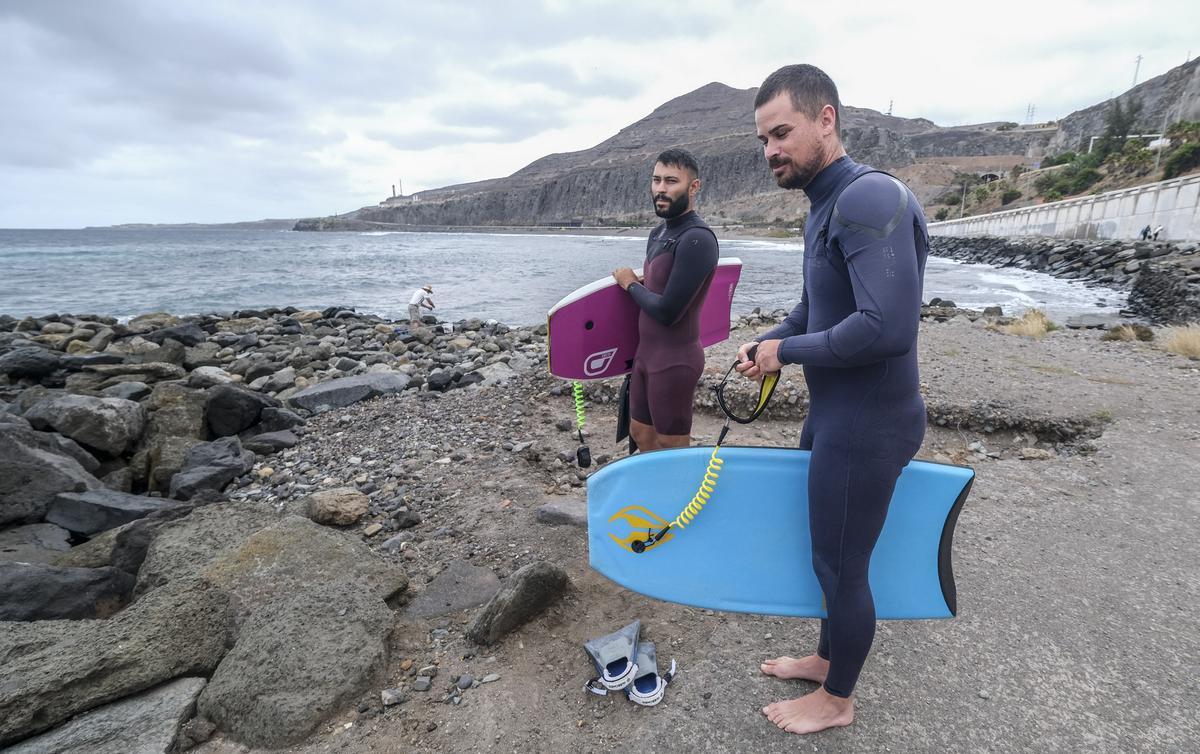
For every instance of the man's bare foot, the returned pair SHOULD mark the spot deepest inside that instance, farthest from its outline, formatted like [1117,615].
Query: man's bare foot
[811,713]
[811,668]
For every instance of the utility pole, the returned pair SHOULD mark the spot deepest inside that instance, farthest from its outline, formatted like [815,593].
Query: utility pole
[962,208]
[1137,66]
[890,103]
[1029,111]
[401,182]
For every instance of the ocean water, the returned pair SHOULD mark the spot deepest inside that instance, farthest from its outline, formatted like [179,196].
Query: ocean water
[514,278]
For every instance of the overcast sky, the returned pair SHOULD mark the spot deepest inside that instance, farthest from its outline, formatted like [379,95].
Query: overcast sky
[152,111]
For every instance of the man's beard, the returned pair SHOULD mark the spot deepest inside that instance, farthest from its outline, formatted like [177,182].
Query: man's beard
[676,207]
[799,176]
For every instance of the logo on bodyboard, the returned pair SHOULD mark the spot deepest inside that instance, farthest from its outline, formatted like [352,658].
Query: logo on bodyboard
[642,524]
[598,362]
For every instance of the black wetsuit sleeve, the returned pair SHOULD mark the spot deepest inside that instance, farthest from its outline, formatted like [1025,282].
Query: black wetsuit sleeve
[873,225]
[796,323]
[695,258]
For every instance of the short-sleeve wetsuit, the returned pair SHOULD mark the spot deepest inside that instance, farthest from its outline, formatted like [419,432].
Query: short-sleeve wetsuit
[681,256]
[855,333]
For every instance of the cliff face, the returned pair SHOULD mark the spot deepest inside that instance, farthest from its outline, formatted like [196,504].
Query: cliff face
[609,183]
[1173,96]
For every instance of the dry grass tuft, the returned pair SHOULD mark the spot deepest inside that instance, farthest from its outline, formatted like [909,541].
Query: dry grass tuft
[1033,324]
[1128,333]
[1183,340]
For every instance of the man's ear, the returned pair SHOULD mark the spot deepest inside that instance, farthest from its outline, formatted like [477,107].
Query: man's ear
[694,188]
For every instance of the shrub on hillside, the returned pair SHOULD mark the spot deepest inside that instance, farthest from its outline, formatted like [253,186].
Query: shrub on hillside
[1182,160]
[1010,196]
[1061,159]
[942,214]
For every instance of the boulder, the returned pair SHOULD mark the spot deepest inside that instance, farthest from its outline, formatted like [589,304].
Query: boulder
[34,363]
[523,597]
[209,376]
[130,391]
[54,670]
[187,545]
[123,547]
[301,659]
[348,390]
[495,374]
[147,723]
[188,334]
[203,355]
[271,442]
[32,473]
[110,425]
[82,360]
[35,543]
[210,466]
[231,409]
[153,321]
[276,419]
[340,506]
[176,424]
[69,447]
[146,372]
[38,591]
[293,555]
[94,511]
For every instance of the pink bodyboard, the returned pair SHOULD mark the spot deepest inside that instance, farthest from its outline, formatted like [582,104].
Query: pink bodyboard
[593,332]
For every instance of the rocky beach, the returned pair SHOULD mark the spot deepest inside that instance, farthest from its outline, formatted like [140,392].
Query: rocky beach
[320,530]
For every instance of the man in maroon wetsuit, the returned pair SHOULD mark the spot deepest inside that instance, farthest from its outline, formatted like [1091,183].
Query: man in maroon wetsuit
[681,256]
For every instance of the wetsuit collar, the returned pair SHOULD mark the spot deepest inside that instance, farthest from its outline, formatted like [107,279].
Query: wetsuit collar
[829,178]
[684,219]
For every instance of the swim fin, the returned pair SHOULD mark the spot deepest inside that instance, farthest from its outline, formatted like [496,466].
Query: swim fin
[613,656]
[648,687]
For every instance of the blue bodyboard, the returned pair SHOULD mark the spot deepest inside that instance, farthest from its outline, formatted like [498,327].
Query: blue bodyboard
[749,549]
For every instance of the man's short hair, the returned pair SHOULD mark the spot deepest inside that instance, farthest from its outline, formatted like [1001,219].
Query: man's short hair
[680,158]
[809,87]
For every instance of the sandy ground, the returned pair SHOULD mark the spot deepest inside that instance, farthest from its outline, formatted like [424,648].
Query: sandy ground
[1078,577]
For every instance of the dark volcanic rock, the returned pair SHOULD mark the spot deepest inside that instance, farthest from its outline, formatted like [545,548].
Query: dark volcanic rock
[210,466]
[110,425]
[271,442]
[276,419]
[186,546]
[297,661]
[188,334]
[524,595]
[293,555]
[29,362]
[147,722]
[37,591]
[32,473]
[35,543]
[231,409]
[94,511]
[347,390]
[54,670]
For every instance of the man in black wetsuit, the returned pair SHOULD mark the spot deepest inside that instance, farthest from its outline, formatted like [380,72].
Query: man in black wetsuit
[855,334]
[681,256]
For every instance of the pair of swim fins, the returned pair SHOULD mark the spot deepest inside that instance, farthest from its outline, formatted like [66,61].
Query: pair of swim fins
[626,662]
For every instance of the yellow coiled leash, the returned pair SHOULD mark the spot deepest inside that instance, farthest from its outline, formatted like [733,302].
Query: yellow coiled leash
[583,455]
[709,484]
